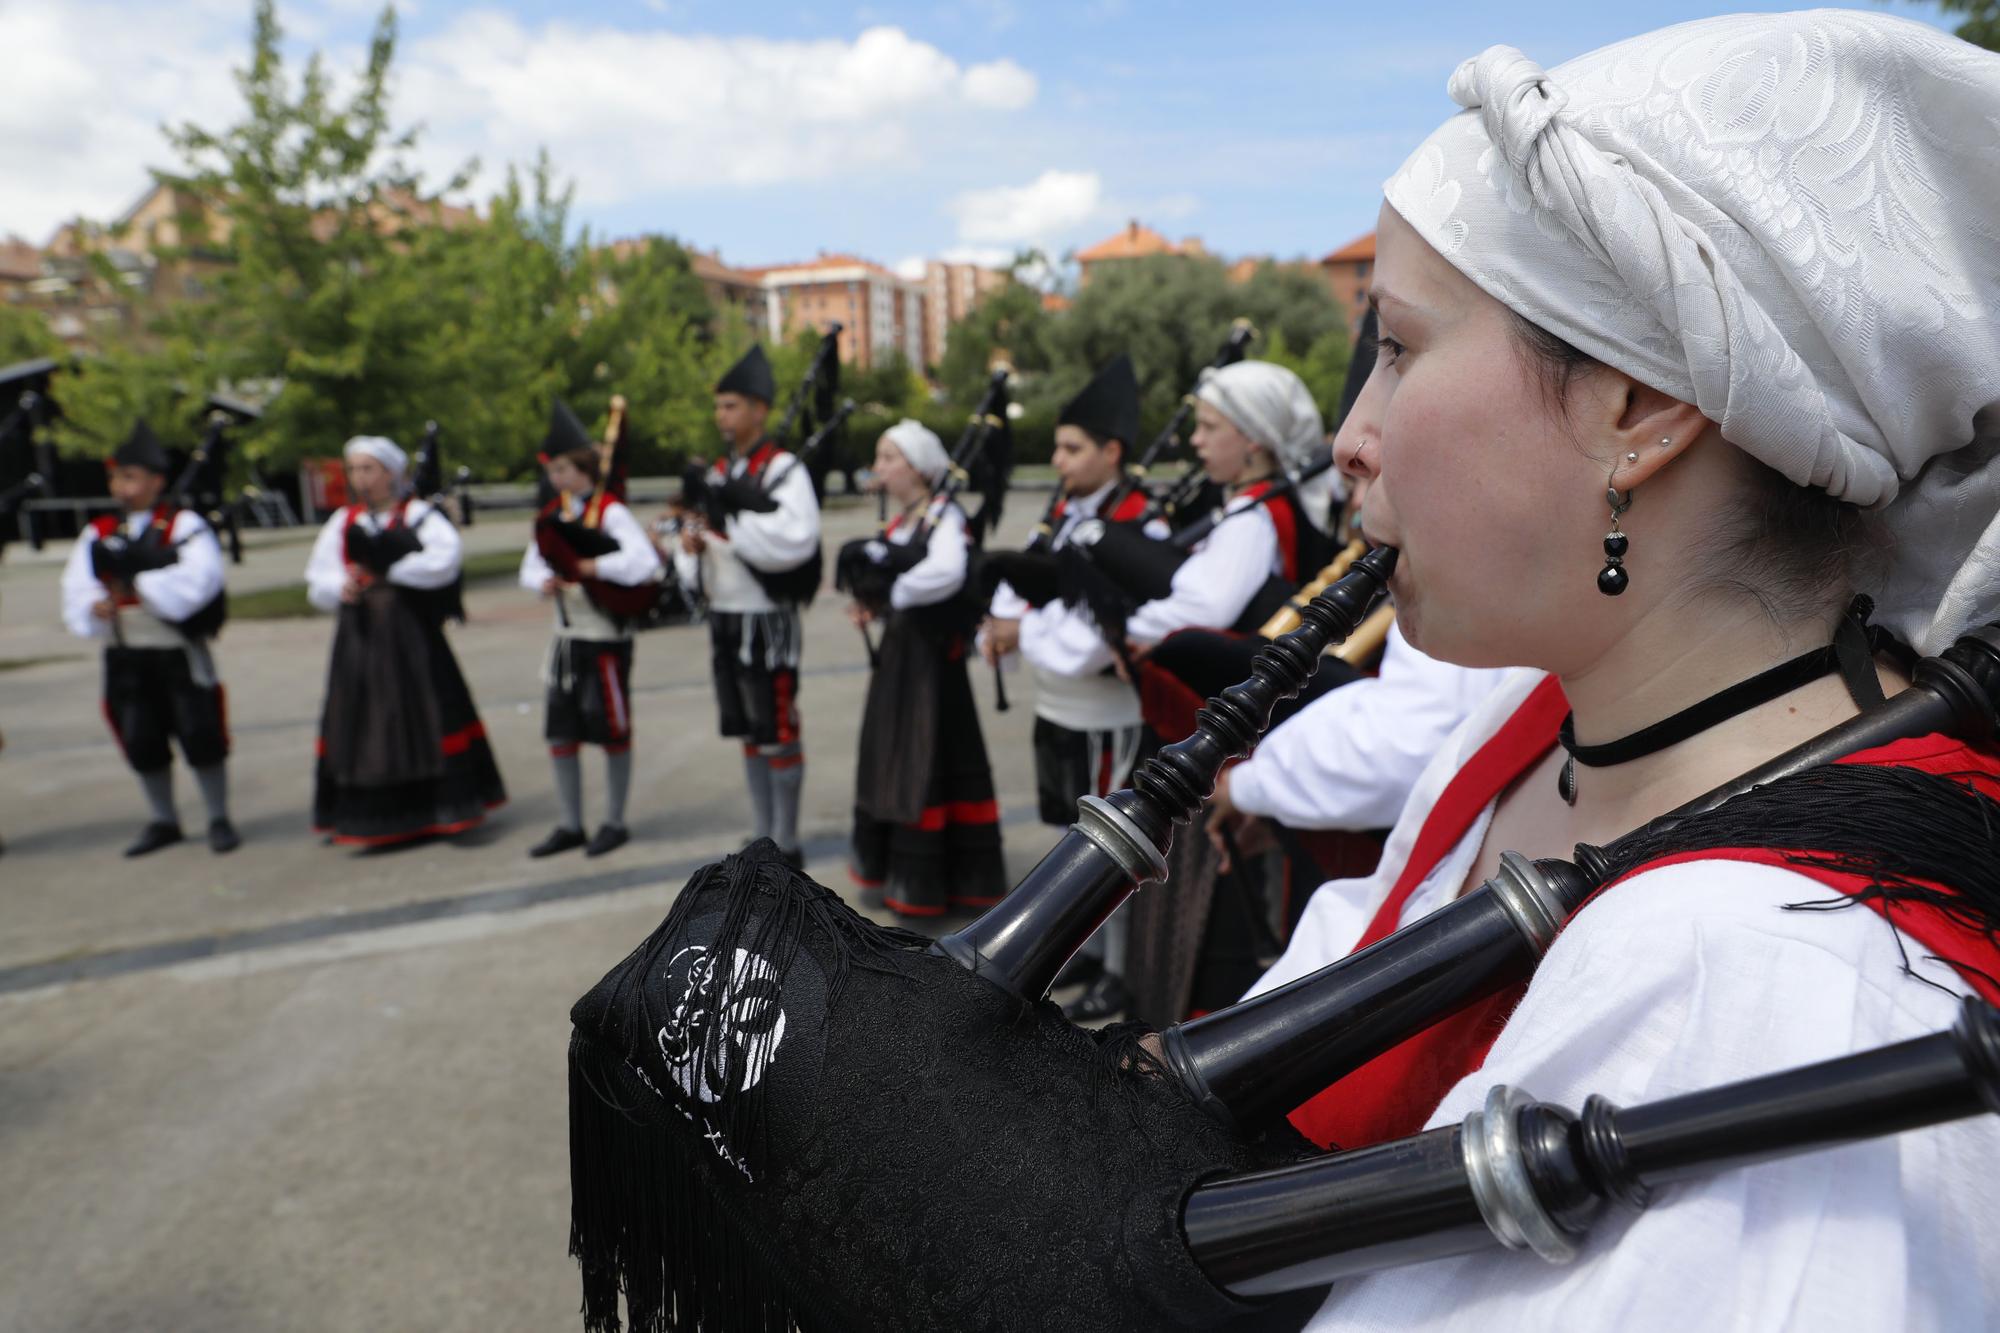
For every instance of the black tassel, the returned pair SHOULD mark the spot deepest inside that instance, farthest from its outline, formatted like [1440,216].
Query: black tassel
[1907,831]
[646,1220]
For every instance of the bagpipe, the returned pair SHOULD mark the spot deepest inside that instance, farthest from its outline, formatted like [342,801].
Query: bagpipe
[375,552]
[866,568]
[1115,568]
[117,560]
[564,543]
[1031,571]
[783,1114]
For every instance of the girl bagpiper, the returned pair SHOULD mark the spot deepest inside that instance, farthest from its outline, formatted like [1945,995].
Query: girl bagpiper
[593,560]
[926,825]
[402,752]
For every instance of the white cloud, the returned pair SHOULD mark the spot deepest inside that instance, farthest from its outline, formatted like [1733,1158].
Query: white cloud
[910,269]
[87,89]
[986,256]
[626,112]
[1001,85]
[1053,203]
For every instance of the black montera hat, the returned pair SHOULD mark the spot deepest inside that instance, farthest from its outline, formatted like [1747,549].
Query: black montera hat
[750,377]
[565,433]
[143,449]
[1108,406]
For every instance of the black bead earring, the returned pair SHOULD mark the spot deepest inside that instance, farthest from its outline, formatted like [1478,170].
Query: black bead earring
[1612,579]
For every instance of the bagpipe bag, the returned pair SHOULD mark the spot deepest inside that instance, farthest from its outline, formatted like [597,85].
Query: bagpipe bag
[784,1115]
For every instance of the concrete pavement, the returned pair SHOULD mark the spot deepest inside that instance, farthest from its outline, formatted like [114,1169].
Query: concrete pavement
[307,1088]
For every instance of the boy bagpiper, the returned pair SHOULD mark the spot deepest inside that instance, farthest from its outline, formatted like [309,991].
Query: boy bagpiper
[148,580]
[755,561]
[589,671]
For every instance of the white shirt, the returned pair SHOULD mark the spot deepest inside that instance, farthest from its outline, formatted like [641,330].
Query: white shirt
[1348,759]
[166,595]
[1680,979]
[434,566]
[635,561]
[1219,577]
[1074,686]
[941,573]
[783,539]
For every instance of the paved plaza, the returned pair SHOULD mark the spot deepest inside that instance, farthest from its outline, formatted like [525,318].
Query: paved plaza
[303,1087]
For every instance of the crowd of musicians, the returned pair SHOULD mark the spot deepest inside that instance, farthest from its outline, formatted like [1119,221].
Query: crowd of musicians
[402,753]
[1678,472]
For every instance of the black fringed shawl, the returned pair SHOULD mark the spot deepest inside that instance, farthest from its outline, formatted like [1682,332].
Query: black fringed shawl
[841,1130]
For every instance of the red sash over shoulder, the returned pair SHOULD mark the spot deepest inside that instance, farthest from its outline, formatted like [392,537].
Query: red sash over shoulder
[1396,1093]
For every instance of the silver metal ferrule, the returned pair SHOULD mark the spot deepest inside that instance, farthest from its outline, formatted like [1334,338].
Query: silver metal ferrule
[1532,902]
[1101,822]
[1490,1143]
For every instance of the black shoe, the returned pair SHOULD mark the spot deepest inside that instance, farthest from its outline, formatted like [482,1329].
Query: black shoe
[795,858]
[562,840]
[222,836]
[1100,1000]
[1080,970]
[610,837]
[153,837]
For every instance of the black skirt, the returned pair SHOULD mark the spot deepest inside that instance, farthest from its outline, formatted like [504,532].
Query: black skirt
[590,694]
[151,696]
[926,824]
[402,752]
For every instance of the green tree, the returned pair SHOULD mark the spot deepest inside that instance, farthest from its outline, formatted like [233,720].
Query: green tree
[1171,313]
[1982,21]
[25,336]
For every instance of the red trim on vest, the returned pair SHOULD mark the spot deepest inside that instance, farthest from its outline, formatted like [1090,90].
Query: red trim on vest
[761,457]
[164,517]
[1128,509]
[1285,519]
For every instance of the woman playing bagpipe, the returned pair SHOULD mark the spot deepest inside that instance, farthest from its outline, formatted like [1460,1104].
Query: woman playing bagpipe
[148,581]
[926,825]
[1087,723]
[593,560]
[1754,975]
[402,752]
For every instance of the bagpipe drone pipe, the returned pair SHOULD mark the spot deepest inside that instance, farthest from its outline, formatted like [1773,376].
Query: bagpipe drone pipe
[1115,568]
[785,1115]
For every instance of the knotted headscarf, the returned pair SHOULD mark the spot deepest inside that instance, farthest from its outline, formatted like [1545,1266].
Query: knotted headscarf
[920,447]
[1273,407]
[1791,221]
[380,448]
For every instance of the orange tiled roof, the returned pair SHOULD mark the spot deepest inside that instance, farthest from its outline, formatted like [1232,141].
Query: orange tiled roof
[1054,302]
[1355,251]
[1136,241]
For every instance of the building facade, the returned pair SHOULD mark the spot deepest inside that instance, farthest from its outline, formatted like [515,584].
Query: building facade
[1348,271]
[953,291]
[879,313]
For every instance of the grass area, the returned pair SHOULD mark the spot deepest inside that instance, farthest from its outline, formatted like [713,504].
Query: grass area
[289,599]
[23,663]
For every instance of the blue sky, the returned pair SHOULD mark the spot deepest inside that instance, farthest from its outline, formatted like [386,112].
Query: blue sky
[896,130]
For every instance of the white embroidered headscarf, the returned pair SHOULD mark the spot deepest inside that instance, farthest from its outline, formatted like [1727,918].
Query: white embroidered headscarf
[380,448]
[1791,221]
[1274,408]
[920,447]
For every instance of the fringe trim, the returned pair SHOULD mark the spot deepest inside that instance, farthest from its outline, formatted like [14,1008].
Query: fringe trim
[645,1221]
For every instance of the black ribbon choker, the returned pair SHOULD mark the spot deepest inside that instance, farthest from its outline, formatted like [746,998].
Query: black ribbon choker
[1852,654]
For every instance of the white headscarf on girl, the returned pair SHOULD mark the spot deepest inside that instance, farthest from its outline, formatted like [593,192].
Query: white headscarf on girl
[1791,221]
[920,447]
[1274,408]
[382,449]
